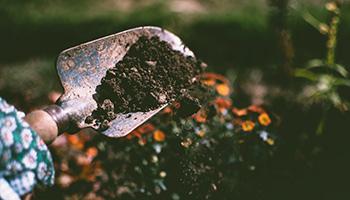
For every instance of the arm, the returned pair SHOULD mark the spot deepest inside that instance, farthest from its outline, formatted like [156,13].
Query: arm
[26,160]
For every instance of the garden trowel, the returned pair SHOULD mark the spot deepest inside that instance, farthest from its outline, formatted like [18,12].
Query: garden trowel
[81,69]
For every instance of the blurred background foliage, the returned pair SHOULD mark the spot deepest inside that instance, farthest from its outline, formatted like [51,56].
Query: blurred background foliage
[290,55]
[227,34]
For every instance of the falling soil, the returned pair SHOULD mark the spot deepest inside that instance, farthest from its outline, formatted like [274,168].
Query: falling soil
[151,74]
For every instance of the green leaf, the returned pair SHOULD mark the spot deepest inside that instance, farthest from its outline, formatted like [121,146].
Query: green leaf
[341,70]
[307,74]
[315,63]
[342,81]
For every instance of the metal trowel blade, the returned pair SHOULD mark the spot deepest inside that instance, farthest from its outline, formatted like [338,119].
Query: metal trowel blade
[81,69]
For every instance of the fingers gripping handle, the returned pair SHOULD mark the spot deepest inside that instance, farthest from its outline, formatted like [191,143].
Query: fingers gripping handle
[48,123]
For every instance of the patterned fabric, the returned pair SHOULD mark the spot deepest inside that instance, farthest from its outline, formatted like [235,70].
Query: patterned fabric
[24,158]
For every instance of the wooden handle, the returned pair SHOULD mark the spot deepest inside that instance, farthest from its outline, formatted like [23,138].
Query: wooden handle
[42,122]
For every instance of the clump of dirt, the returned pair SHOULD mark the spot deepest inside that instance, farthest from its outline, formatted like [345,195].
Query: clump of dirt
[150,75]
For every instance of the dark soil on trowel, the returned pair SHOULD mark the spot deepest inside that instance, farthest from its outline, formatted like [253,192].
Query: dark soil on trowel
[150,75]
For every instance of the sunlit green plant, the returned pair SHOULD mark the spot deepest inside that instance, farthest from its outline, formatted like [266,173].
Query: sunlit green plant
[325,76]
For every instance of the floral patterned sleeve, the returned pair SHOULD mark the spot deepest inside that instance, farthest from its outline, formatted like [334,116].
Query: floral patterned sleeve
[25,160]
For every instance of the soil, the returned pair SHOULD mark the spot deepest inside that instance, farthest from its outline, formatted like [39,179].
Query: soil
[150,75]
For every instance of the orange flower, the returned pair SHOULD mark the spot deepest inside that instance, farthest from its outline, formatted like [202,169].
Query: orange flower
[255,108]
[146,128]
[159,136]
[214,76]
[248,125]
[264,119]
[134,133]
[129,136]
[72,139]
[200,116]
[209,82]
[223,89]
[75,141]
[239,112]
[223,102]
[92,152]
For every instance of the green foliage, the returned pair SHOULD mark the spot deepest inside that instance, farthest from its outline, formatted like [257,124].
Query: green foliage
[325,76]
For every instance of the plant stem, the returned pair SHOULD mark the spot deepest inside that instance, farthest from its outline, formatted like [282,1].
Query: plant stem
[332,38]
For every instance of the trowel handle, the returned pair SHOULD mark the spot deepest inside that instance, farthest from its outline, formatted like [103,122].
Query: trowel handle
[48,123]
